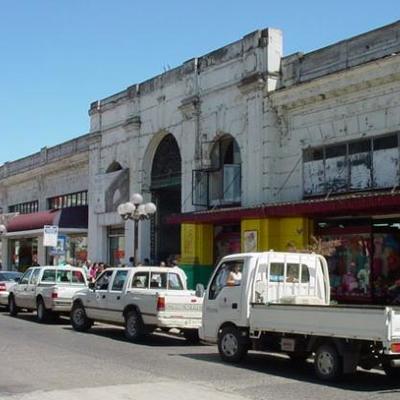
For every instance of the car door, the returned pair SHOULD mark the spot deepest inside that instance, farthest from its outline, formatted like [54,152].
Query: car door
[223,300]
[96,304]
[114,296]
[31,289]
[20,290]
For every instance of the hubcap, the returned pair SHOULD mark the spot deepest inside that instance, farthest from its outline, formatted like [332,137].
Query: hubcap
[229,344]
[131,325]
[79,316]
[40,310]
[326,363]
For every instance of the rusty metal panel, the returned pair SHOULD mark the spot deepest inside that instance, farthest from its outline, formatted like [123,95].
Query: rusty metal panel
[313,178]
[336,174]
[360,171]
[386,167]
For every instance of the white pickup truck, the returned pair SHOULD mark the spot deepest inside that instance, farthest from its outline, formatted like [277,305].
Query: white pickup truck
[280,302]
[142,299]
[48,290]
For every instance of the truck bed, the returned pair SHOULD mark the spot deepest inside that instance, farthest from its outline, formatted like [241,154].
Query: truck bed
[353,322]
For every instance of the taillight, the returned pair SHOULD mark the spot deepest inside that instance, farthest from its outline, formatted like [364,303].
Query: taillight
[395,348]
[2,287]
[54,295]
[161,304]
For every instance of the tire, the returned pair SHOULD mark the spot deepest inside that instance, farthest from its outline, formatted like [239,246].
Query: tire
[12,307]
[231,345]
[192,336]
[134,327]
[328,364]
[79,320]
[42,313]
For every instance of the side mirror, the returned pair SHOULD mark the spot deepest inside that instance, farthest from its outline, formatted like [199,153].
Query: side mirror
[200,290]
[92,285]
[18,279]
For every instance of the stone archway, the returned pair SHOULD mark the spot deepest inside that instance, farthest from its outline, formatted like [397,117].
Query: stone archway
[166,188]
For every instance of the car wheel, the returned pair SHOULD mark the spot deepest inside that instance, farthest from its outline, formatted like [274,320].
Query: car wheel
[134,328]
[42,313]
[231,345]
[12,307]
[328,364]
[79,320]
[192,336]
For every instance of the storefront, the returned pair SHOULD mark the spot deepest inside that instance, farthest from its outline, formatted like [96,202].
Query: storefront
[361,243]
[116,245]
[24,238]
[364,263]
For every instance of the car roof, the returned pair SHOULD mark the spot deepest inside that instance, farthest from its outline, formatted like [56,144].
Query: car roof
[59,267]
[148,268]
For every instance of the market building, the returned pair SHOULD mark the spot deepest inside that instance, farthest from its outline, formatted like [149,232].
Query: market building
[46,188]
[244,149]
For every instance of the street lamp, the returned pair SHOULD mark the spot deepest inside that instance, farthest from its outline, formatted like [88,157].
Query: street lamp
[136,211]
[3,229]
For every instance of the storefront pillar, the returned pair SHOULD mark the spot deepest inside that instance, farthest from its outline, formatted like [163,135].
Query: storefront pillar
[197,241]
[41,251]
[4,253]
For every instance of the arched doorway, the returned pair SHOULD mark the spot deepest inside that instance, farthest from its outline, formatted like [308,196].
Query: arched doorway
[166,194]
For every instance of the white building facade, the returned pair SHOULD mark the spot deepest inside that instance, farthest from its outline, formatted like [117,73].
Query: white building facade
[244,149]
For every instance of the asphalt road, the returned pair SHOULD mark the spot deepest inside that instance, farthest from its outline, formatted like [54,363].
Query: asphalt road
[54,362]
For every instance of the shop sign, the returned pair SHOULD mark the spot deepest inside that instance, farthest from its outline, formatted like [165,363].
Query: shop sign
[50,235]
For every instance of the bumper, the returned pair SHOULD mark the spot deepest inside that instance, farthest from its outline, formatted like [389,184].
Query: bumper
[4,298]
[179,323]
[61,305]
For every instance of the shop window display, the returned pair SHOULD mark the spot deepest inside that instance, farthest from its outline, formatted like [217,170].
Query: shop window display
[365,268]
[349,267]
[386,267]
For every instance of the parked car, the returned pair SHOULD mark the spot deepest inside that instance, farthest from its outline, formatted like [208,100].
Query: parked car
[142,299]
[7,279]
[48,290]
[280,302]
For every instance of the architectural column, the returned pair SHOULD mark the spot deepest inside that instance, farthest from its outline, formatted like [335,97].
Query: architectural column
[41,254]
[197,244]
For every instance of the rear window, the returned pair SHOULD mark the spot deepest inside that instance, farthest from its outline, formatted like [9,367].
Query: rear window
[9,276]
[165,280]
[63,276]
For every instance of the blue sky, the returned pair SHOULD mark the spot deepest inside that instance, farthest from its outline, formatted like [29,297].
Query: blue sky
[57,56]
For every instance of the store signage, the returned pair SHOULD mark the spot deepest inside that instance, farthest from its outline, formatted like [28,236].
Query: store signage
[50,235]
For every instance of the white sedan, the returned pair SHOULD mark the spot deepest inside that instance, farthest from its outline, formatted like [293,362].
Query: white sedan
[7,279]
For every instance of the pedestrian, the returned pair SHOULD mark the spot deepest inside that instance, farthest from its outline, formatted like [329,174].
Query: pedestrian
[85,267]
[131,262]
[100,269]
[93,272]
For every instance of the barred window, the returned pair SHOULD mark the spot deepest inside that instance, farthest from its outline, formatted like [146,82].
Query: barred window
[25,208]
[68,200]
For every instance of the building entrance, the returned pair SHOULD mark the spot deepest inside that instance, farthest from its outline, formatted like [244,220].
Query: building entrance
[166,194]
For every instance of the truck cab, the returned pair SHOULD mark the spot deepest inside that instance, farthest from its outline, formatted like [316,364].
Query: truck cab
[267,278]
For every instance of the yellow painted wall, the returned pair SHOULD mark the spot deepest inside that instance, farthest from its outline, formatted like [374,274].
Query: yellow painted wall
[197,244]
[281,234]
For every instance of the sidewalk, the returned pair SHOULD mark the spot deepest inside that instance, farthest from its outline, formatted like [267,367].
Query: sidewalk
[165,390]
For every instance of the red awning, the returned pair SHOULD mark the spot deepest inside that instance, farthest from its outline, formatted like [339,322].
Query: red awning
[346,205]
[74,217]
